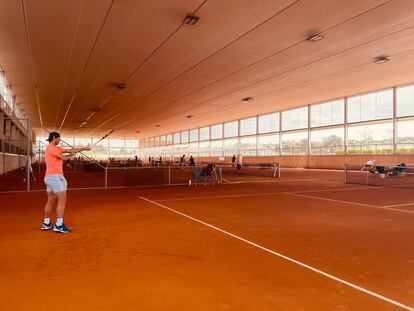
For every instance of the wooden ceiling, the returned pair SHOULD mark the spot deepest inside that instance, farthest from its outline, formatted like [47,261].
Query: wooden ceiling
[64,59]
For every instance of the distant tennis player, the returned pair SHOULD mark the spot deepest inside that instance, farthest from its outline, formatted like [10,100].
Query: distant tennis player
[55,181]
[373,168]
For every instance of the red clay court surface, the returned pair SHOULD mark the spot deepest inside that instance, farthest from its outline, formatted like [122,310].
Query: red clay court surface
[223,247]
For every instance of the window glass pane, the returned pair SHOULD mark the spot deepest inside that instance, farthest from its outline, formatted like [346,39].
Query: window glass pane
[194,135]
[370,138]
[231,129]
[162,140]
[405,101]
[294,143]
[176,138]
[216,147]
[295,119]
[88,141]
[217,131]
[169,139]
[268,144]
[405,136]
[248,146]
[193,149]
[184,137]
[371,106]
[269,123]
[184,149]
[248,126]
[156,141]
[230,146]
[327,142]
[131,143]
[204,149]
[177,150]
[166,151]
[329,113]
[205,133]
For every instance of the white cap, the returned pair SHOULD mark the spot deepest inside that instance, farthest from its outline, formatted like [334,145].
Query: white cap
[370,163]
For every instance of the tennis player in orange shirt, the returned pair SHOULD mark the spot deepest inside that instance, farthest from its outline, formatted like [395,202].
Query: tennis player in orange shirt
[55,181]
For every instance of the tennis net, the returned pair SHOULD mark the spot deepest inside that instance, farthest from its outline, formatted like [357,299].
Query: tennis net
[398,176]
[159,176]
[261,170]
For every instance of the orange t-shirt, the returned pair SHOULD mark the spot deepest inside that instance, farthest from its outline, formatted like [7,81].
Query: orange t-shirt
[53,163]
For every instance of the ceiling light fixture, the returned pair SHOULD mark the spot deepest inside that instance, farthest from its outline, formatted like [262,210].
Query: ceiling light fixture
[314,38]
[381,60]
[190,19]
[157,125]
[247,99]
[189,116]
[121,86]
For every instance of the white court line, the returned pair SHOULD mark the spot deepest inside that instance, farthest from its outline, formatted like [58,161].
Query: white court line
[277,180]
[220,196]
[349,202]
[337,189]
[403,204]
[330,276]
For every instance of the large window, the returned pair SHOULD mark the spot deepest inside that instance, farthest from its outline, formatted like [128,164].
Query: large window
[369,129]
[268,144]
[327,141]
[205,133]
[295,119]
[248,126]
[231,129]
[194,135]
[370,138]
[230,146]
[405,136]
[269,123]
[295,143]
[329,113]
[405,101]
[248,146]
[373,106]
[217,131]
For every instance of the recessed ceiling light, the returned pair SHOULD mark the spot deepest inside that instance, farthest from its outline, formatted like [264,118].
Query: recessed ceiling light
[381,60]
[247,99]
[189,116]
[314,37]
[190,19]
[138,132]
[96,109]
[121,86]
[157,125]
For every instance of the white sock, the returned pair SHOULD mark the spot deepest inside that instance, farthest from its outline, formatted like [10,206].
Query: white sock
[59,221]
[47,220]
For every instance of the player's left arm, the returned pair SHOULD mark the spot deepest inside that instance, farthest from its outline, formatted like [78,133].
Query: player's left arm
[76,150]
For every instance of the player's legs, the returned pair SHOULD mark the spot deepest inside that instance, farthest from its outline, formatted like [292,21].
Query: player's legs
[61,197]
[51,198]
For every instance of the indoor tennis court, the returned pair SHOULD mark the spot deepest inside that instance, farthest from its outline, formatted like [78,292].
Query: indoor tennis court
[207,155]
